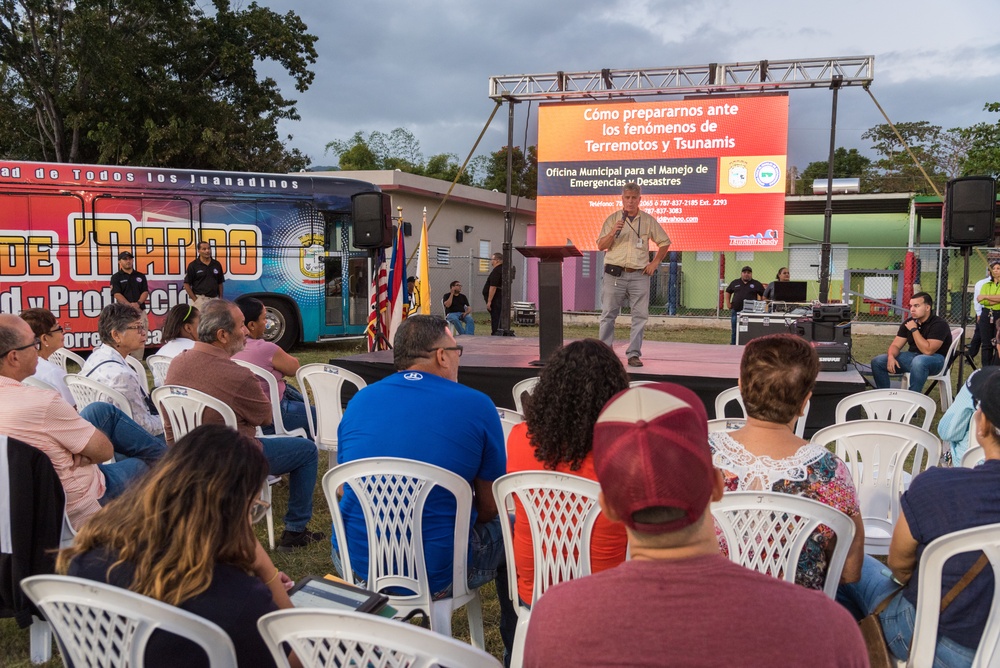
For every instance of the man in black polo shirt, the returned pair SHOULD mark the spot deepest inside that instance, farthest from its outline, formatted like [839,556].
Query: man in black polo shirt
[927,338]
[204,277]
[128,286]
[740,290]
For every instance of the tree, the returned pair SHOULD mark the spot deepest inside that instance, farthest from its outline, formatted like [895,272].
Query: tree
[524,182]
[895,171]
[398,149]
[445,166]
[982,147]
[847,164]
[153,82]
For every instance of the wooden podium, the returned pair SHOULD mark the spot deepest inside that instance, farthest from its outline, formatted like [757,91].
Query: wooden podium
[550,306]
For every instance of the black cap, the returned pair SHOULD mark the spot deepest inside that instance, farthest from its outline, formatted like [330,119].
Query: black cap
[985,388]
[747,268]
[124,255]
[411,279]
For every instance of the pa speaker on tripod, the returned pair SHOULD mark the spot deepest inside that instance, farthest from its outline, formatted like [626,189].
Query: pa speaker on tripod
[970,211]
[372,214]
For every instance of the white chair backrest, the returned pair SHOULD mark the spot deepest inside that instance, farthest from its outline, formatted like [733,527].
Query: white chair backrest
[973,457]
[932,561]
[875,452]
[102,625]
[185,408]
[561,510]
[158,365]
[888,404]
[322,638]
[325,382]
[767,532]
[62,356]
[86,391]
[140,371]
[733,394]
[392,492]
[520,387]
[508,419]
[726,424]
[273,396]
[39,383]
[640,383]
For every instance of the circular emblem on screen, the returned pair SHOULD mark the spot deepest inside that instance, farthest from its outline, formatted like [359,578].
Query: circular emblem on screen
[737,175]
[767,174]
[413,375]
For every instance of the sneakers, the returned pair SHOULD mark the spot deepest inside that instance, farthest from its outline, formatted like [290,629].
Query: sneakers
[634,361]
[293,540]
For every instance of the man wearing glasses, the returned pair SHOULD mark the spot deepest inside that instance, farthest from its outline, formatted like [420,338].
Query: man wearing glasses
[448,425]
[79,445]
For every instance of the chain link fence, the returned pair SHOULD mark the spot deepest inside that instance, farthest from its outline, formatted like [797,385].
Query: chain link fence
[471,272]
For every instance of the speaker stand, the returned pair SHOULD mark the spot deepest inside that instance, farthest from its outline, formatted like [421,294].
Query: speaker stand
[962,353]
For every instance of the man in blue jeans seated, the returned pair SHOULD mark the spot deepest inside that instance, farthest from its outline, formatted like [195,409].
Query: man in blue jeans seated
[939,501]
[448,425]
[457,309]
[927,338]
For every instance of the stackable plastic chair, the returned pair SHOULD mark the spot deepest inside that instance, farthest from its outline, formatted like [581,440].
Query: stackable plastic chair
[140,370]
[392,492]
[86,391]
[322,638]
[888,404]
[943,379]
[974,453]
[39,383]
[932,561]
[325,382]
[733,394]
[63,355]
[767,532]
[184,408]
[275,398]
[158,365]
[726,424]
[875,452]
[520,387]
[97,624]
[561,511]
[508,419]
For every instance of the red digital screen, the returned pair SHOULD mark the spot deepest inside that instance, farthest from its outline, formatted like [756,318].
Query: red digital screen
[711,170]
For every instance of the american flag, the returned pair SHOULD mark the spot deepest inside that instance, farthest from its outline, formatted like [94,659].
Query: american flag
[378,317]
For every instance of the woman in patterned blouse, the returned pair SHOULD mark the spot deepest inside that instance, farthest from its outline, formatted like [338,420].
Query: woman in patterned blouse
[777,375]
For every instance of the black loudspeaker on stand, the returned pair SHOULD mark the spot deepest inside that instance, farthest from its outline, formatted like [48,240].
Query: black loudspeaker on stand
[372,216]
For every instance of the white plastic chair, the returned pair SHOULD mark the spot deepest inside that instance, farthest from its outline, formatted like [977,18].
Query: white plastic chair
[889,404]
[275,398]
[39,383]
[391,493]
[875,452]
[973,457]
[508,419]
[767,532]
[97,624]
[184,408]
[158,365]
[733,394]
[932,561]
[520,387]
[63,355]
[86,391]
[561,511]
[140,371]
[944,378]
[726,424]
[322,638]
[325,382]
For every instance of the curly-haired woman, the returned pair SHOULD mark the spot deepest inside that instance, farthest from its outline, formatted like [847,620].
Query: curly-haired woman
[557,435]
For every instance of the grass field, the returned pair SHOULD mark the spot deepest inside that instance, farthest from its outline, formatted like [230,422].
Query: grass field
[316,559]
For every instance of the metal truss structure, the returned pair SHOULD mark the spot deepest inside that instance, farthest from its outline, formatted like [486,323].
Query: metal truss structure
[752,77]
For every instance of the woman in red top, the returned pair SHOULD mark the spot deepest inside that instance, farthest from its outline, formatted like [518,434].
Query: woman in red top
[557,435]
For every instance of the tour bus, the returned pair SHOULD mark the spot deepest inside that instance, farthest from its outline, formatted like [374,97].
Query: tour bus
[286,239]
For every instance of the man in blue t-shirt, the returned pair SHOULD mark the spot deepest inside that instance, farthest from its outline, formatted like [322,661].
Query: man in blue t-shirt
[448,425]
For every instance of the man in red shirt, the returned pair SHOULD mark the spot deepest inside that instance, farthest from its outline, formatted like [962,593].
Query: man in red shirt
[678,601]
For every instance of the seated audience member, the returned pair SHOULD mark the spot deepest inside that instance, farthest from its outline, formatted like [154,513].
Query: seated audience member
[927,337]
[953,427]
[78,445]
[184,536]
[275,361]
[180,331]
[448,425]
[50,333]
[677,601]
[777,375]
[557,435]
[208,368]
[122,329]
[938,502]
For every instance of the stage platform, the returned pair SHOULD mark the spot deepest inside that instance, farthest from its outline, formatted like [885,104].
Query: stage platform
[494,364]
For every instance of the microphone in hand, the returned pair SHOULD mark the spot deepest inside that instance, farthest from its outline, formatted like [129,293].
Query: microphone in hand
[618,233]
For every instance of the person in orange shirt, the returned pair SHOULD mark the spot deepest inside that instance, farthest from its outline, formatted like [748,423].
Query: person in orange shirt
[557,435]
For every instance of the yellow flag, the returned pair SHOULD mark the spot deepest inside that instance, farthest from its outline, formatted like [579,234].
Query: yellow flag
[422,273]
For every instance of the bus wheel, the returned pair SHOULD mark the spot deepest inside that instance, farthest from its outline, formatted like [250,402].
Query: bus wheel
[280,327]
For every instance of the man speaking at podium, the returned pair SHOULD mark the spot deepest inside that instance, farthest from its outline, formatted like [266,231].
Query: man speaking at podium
[625,237]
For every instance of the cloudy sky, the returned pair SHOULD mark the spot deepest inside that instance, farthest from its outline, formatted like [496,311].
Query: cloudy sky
[424,65]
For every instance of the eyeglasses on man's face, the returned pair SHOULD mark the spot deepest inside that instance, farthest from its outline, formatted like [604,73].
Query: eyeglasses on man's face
[456,348]
[36,344]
